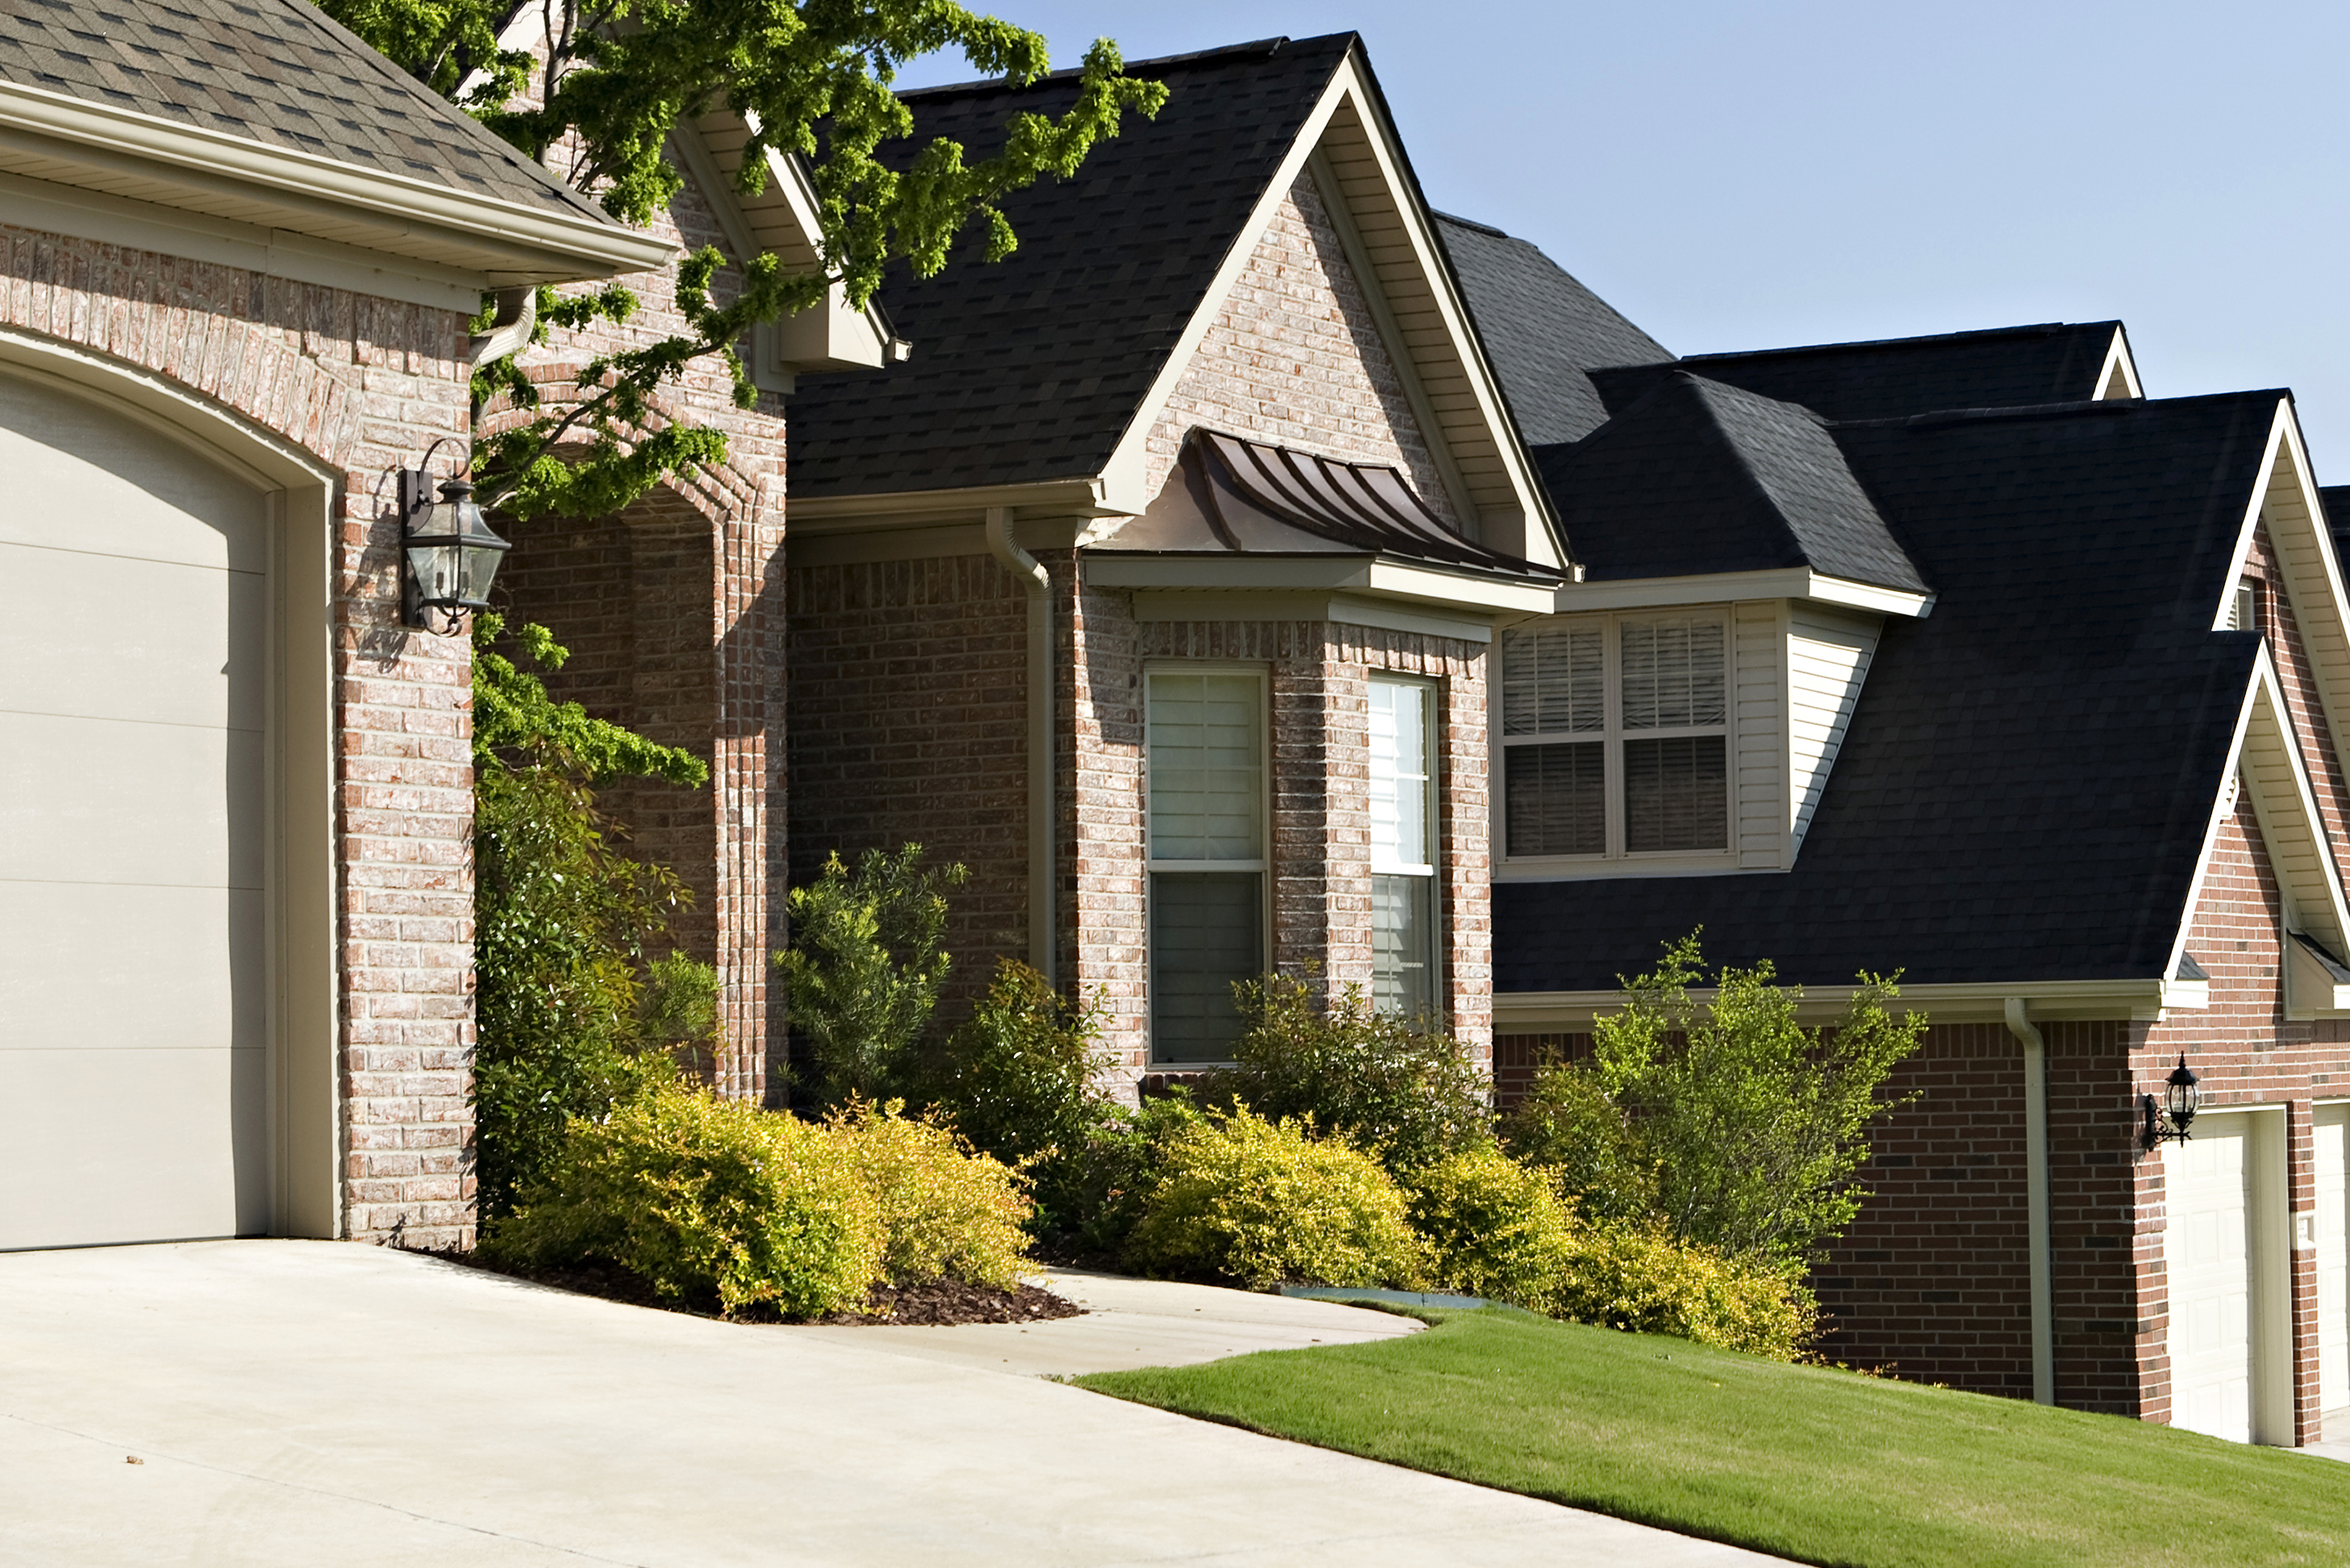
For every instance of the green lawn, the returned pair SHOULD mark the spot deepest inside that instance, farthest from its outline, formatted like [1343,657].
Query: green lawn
[1819,1466]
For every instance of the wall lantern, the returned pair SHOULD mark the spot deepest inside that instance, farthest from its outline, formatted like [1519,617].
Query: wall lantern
[2170,1116]
[449,554]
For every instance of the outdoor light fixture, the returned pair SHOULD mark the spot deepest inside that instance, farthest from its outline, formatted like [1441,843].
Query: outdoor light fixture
[449,554]
[2170,1116]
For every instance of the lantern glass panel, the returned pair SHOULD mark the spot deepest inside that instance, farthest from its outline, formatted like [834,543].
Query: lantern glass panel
[434,564]
[481,565]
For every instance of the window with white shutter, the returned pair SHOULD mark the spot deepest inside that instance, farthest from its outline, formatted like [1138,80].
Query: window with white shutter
[1615,736]
[1204,778]
[1403,846]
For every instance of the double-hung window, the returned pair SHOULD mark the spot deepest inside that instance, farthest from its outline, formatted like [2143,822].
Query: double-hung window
[1615,736]
[1403,846]
[1204,774]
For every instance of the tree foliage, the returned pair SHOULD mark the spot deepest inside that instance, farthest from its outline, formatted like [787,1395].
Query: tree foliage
[1732,1125]
[811,80]
[562,919]
[864,968]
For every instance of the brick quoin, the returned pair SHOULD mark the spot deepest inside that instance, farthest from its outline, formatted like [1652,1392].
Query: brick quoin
[364,385]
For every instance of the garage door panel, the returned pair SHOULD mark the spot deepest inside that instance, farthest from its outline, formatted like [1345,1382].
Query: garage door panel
[96,800]
[113,485]
[146,968]
[138,620]
[2207,1258]
[2333,1220]
[132,1145]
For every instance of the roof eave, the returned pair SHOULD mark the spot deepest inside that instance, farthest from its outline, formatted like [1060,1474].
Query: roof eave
[1377,576]
[1724,587]
[1962,1001]
[68,140]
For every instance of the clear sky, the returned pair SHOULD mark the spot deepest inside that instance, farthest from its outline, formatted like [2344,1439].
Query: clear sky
[1753,175]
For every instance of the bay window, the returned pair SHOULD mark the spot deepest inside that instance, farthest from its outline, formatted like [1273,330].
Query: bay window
[1403,846]
[1615,736]
[1204,778]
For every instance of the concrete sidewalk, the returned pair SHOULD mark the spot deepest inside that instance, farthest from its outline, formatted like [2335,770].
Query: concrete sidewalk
[304,1403]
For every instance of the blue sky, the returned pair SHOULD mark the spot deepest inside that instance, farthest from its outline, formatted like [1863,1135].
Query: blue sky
[1746,176]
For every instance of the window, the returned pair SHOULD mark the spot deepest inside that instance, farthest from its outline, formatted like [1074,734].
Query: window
[1403,846]
[2244,609]
[1203,748]
[1615,736]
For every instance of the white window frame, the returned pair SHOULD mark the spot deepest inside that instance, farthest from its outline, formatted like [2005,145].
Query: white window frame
[1610,737]
[1262,865]
[1432,714]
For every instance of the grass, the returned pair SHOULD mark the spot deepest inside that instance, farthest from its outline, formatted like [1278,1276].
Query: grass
[1803,1462]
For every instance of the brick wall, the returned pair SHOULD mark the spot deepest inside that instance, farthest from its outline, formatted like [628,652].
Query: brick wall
[364,385]
[1295,356]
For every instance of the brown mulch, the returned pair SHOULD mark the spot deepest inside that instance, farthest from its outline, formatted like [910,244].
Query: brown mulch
[940,1303]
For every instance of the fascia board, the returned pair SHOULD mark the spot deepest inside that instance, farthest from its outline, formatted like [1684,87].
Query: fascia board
[1189,604]
[1571,1012]
[1725,587]
[2284,802]
[1077,496]
[2118,360]
[2308,564]
[398,214]
[1371,574]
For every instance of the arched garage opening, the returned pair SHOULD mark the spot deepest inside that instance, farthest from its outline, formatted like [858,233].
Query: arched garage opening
[167,1013]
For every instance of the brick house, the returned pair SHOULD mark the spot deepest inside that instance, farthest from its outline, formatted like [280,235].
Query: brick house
[235,906]
[1962,658]
[1157,588]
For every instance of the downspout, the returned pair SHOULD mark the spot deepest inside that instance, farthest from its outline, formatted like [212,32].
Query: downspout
[2036,1163]
[1043,944]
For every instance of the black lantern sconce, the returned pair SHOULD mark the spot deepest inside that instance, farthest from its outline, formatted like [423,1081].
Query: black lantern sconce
[447,553]
[2170,1116]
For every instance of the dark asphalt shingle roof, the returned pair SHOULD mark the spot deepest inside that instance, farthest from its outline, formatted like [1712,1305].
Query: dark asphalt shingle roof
[1748,484]
[276,72]
[2024,787]
[1033,368]
[2008,367]
[1543,330]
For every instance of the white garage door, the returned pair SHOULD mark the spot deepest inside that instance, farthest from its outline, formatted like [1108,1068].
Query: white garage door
[2334,1269]
[132,973]
[2207,1258]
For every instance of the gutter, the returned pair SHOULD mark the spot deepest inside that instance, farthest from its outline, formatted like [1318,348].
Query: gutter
[2035,1133]
[1042,873]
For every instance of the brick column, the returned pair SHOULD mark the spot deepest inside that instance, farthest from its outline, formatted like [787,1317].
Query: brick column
[746,773]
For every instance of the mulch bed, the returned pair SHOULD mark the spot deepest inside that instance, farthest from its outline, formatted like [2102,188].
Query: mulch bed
[940,1302]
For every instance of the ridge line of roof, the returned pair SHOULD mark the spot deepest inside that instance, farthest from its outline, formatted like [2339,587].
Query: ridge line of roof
[1267,47]
[1936,418]
[1984,334]
[1473,223]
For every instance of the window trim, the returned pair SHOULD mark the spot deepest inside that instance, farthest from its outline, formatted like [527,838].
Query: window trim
[1610,737]
[1432,713]
[1262,867]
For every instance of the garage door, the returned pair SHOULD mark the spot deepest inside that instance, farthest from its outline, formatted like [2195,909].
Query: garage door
[2334,1269]
[2208,1258]
[133,973]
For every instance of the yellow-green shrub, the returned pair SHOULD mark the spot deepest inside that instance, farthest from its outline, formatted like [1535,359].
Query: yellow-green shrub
[1262,1203]
[1621,1276]
[1496,1228]
[703,1197]
[945,1209]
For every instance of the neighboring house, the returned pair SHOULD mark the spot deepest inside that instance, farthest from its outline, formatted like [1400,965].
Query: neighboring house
[1157,588]
[238,251]
[1959,658]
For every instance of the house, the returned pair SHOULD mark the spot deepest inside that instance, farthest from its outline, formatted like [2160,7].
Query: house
[238,252]
[1157,588]
[1961,657]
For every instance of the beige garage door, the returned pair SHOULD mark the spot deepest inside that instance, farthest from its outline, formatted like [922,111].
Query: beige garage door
[2334,1269]
[132,704]
[2207,1258]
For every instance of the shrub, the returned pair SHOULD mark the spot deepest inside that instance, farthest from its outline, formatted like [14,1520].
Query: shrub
[706,1198]
[944,1210]
[1630,1277]
[1100,1190]
[1569,1125]
[678,1011]
[864,968]
[1261,1202]
[1409,1095]
[1495,1228]
[1019,1080]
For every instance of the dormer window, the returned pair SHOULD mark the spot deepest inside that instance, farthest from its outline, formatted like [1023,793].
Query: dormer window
[1615,736]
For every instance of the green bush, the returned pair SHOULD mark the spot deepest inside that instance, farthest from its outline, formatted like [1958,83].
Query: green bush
[1098,1192]
[1411,1095]
[1629,1277]
[1496,1228]
[1262,1203]
[705,1199]
[864,968]
[944,1210]
[1019,1080]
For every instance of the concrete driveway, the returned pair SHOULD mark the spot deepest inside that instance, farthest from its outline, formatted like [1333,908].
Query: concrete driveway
[292,1402]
